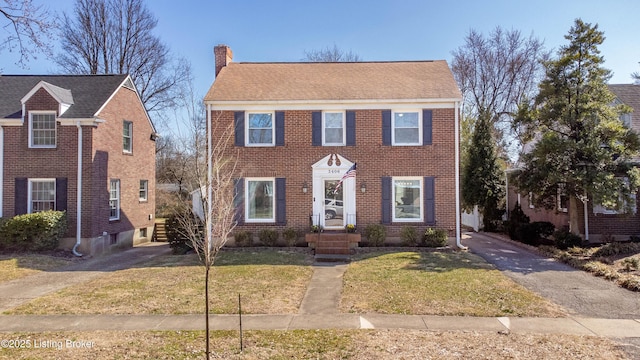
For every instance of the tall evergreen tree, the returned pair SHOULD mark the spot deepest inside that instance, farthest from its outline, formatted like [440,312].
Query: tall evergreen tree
[482,180]
[579,143]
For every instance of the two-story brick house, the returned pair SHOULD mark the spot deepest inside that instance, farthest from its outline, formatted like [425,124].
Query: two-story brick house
[299,127]
[83,144]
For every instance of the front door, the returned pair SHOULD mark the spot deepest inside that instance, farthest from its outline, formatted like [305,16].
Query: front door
[333,204]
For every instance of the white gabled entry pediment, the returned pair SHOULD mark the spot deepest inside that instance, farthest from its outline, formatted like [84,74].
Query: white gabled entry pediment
[330,168]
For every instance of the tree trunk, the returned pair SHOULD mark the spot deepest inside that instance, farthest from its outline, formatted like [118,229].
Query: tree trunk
[573,215]
[206,310]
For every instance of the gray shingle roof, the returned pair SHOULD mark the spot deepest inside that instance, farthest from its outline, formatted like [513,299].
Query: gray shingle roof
[89,92]
[628,94]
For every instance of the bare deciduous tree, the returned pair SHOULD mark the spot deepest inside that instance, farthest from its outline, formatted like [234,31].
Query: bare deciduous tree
[116,36]
[29,28]
[328,54]
[496,73]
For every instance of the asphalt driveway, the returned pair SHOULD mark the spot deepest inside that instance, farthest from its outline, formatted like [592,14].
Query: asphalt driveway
[580,293]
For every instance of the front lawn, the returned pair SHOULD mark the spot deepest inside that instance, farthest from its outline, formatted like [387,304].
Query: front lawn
[16,266]
[315,344]
[269,282]
[436,283]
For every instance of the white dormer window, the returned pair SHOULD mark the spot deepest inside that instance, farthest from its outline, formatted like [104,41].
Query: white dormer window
[42,129]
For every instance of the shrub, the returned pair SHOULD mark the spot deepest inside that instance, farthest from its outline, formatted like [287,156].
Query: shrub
[35,232]
[290,236]
[631,264]
[435,237]
[376,234]
[268,237]
[616,248]
[634,239]
[564,239]
[516,220]
[409,235]
[179,242]
[243,238]
[531,233]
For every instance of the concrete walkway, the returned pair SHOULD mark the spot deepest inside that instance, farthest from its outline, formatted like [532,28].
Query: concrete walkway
[319,309]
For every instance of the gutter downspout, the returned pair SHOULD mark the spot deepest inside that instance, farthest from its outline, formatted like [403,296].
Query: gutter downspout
[457,171]
[586,217]
[79,195]
[506,192]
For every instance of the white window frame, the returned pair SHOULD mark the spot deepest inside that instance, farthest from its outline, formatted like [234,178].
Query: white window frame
[530,198]
[116,199]
[393,199]
[247,129]
[55,129]
[144,187]
[324,128]
[248,199]
[393,127]
[561,193]
[30,192]
[130,137]
[600,209]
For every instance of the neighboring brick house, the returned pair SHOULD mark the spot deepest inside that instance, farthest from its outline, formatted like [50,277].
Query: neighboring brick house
[43,119]
[599,221]
[299,127]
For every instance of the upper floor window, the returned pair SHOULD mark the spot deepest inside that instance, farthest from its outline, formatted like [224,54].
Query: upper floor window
[562,198]
[42,126]
[42,195]
[407,197]
[333,128]
[260,129]
[406,128]
[127,136]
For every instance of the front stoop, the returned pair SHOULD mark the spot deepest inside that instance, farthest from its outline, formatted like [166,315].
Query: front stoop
[337,244]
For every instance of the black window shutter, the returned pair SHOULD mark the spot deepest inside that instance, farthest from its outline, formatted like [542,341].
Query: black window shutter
[22,196]
[281,203]
[427,126]
[316,128]
[238,200]
[351,128]
[238,118]
[61,194]
[429,201]
[386,200]
[279,128]
[386,127]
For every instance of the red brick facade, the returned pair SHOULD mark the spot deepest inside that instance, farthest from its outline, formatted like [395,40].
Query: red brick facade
[102,159]
[294,161]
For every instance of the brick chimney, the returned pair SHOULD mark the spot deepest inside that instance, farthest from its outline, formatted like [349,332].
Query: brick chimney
[223,55]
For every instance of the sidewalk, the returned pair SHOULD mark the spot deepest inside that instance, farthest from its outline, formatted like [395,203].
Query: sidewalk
[318,310]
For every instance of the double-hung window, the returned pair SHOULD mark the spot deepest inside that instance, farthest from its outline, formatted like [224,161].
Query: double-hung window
[42,129]
[260,129]
[260,205]
[42,195]
[144,190]
[333,128]
[406,128]
[127,136]
[114,199]
[407,197]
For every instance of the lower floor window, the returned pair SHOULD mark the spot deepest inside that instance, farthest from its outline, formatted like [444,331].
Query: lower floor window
[407,199]
[43,195]
[260,200]
[114,199]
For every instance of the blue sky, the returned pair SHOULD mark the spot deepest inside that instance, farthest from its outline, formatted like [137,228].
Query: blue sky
[375,30]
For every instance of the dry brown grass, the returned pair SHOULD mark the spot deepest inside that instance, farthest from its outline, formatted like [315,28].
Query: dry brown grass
[436,283]
[270,282]
[16,266]
[318,344]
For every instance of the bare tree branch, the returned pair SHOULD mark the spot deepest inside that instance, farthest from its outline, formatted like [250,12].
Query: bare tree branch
[329,54]
[29,29]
